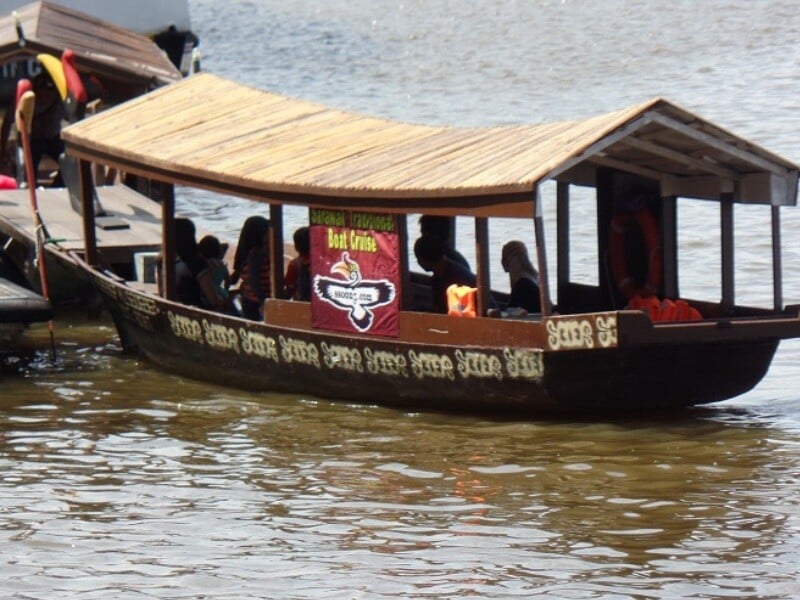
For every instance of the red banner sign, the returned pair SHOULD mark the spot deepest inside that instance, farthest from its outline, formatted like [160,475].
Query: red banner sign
[355,272]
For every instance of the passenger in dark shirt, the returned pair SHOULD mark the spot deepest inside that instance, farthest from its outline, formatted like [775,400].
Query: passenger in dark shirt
[297,281]
[439,227]
[194,283]
[430,253]
[523,278]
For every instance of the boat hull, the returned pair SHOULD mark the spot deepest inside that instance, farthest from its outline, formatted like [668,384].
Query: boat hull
[494,379]
[658,376]
[65,286]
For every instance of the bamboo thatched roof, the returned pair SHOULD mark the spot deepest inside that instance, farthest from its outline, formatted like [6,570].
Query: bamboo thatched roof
[100,47]
[222,135]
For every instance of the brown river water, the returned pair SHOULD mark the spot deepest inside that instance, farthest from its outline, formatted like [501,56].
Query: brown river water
[119,481]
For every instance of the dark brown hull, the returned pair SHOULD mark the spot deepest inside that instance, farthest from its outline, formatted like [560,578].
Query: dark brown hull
[657,377]
[474,378]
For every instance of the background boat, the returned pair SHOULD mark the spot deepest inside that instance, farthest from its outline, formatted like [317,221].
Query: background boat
[123,60]
[166,23]
[115,64]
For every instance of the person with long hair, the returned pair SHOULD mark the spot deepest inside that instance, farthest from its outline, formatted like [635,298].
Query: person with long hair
[251,265]
[523,277]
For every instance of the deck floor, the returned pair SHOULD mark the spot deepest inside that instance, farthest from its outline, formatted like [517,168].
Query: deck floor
[139,216]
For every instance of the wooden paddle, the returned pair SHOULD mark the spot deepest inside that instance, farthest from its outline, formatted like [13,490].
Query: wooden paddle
[24,121]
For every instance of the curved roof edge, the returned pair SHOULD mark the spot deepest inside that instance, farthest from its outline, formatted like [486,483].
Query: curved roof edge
[218,133]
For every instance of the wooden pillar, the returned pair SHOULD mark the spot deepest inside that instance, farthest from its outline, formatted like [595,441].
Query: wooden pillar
[562,234]
[482,248]
[168,240]
[726,227]
[777,260]
[87,210]
[406,299]
[541,253]
[669,245]
[276,249]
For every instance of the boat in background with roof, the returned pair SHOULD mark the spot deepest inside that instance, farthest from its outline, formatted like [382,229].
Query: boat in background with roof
[113,65]
[124,63]
[168,24]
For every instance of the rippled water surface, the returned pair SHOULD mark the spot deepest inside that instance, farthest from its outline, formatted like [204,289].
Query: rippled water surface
[118,481]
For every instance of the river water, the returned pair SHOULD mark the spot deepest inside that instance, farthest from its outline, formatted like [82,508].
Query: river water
[119,481]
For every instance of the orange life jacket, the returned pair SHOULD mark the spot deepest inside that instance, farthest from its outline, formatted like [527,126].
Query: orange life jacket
[461,301]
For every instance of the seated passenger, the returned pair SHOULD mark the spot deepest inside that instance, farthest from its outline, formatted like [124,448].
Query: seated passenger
[523,278]
[194,284]
[439,227]
[431,256]
[252,265]
[297,281]
[211,250]
[251,236]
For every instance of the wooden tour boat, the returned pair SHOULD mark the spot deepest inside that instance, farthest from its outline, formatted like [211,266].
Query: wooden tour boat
[365,179]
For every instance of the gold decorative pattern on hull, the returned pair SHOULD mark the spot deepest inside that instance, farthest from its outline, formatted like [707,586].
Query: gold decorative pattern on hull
[428,364]
[478,364]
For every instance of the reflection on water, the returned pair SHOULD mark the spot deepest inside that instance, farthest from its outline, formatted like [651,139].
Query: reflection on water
[118,480]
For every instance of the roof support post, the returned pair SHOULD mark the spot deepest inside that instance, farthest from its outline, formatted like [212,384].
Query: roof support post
[405,276]
[276,249]
[87,210]
[777,260]
[726,237]
[669,245]
[541,253]
[562,233]
[482,249]
[167,193]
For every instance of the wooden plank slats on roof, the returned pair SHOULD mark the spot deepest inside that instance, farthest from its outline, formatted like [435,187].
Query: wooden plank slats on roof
[563,145]
[476,168]
[425,170]
[421,155]
[174,144]
[308,153]
[235,147]
[144,124]
[404,142]
[214,132]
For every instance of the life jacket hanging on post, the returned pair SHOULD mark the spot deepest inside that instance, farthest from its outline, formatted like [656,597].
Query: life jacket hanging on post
[618,261]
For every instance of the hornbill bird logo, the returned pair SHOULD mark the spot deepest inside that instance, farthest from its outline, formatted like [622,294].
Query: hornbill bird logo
[355,295]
